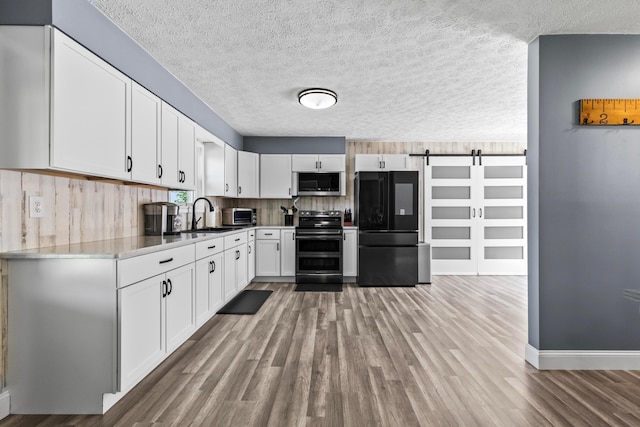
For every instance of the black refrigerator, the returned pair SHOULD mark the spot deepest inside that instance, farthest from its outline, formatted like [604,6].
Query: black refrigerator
[386,213]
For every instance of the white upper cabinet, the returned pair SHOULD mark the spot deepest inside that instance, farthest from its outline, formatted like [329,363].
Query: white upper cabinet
[318,162]
[230,171]
[169,171]
[64,108]
[145,135]
[177,166]
[381,162]
[214,176]
[89,112]
[186,153]
[275,176]
[248,174]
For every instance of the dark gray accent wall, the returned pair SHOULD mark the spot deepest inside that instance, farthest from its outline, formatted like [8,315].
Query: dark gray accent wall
[295,144]
[25,12]
[584,183]
[87,25]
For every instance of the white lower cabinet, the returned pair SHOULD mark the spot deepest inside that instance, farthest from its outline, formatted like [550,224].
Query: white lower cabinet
[156,316]
[251,255]
[209,279]
[350,253]
[288,255]
[267,252]
[209,287]
[141,338]
[235,264]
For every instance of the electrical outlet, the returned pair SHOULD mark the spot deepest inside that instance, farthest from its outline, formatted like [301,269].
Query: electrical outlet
[36,207]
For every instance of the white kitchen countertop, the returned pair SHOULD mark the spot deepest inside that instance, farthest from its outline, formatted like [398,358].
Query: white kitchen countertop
[122,248]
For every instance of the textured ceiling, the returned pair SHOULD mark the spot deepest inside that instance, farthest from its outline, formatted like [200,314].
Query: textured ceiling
[404,70]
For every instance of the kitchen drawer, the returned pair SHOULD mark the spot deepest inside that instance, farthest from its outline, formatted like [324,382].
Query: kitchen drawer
[235,240]
[268,234]
[209,247]
[132,270]
[251,234]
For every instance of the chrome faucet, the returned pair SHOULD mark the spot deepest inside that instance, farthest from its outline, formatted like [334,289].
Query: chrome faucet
[193,208]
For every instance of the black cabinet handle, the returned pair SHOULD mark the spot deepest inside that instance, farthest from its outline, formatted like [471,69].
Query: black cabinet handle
[164,289]
[129,163]
[166,261]
[226,187]
[211,247]
[249,249]
[170,286]
[277,246]
[384,164]
[320,165]
[159,171]
[213,263]
[238,239]
[293,236]
[239,189]
[268,234]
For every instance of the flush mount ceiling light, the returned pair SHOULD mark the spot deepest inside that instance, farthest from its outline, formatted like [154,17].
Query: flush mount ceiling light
[317,98]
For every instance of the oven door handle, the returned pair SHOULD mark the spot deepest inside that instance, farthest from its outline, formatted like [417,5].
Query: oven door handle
[319,237]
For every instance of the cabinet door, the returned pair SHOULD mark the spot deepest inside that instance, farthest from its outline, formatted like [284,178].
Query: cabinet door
[216,282]
[141,334]
[288,256]
[267,258]
[395,162]
[202,298]
[368,162]
[229,274]
[90,103]
[248,174]
[186,153]
[180,319]
[214,176]
[230,171]
[275,176]
[241,268]
[332,162]
[304,162]
[350,253]
[145,135]
[251,261]
[169,170]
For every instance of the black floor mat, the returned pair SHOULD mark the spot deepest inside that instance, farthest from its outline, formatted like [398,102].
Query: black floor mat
[248,302]
[319,287]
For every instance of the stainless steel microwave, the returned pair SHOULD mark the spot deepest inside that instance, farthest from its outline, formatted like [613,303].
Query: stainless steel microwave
[319,184]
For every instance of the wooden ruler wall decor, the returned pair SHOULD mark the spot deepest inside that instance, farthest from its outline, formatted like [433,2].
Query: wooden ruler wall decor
[610,112]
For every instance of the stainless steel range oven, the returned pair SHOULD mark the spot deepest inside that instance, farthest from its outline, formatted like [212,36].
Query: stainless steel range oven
[319,247]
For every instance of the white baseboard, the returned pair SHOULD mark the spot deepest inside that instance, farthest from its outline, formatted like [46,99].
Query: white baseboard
[5,404]
[610,360]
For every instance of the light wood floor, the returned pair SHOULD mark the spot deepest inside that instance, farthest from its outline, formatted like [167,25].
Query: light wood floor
[450,353]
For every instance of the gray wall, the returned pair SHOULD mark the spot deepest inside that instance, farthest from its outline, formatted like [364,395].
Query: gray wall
[296,144]
[86,24]
[584,208]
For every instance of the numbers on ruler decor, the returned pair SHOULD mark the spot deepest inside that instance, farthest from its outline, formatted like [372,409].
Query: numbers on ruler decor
[609,112]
